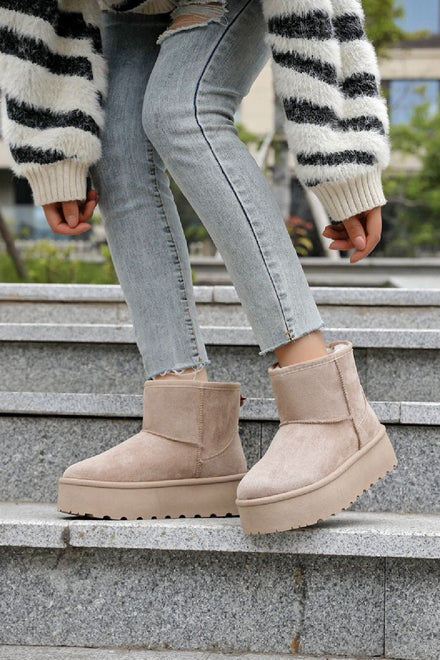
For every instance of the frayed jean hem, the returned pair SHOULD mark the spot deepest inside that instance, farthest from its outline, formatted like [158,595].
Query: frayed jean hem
[197,367]
[288,341]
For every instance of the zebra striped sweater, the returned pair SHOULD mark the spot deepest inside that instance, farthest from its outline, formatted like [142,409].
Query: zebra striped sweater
[53,79]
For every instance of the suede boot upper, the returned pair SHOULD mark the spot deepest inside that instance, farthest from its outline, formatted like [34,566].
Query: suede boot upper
[324,420]
[189,430]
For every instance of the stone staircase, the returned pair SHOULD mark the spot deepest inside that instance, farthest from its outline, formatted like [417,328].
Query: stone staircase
[364,583]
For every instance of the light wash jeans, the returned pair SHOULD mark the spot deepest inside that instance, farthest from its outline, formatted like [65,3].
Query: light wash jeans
[171,107]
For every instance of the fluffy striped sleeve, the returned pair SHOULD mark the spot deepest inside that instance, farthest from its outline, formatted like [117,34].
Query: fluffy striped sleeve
[327,76]
[53,80]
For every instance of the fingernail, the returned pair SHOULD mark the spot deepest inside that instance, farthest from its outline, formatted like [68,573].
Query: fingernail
[71,218]
[359,242]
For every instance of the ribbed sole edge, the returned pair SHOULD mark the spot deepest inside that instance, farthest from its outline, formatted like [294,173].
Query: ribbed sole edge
[191,500]
[317,505]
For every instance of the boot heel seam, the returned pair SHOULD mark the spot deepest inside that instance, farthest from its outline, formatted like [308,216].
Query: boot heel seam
[365,411]
[347,403]
[198,461]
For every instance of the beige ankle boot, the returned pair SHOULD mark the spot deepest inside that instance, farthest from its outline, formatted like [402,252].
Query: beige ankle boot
[329,448]
[186,461]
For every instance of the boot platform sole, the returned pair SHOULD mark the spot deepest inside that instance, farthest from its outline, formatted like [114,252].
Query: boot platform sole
[177,498]
[317,502]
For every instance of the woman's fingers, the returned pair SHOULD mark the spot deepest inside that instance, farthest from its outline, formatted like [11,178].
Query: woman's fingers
[330,232]
[53,216]
[335,228]
[71,212]
[364,230]
[339,236]
[341,244]
[373,227]
[70,218]
[56,221]
[88,207]
[356,232]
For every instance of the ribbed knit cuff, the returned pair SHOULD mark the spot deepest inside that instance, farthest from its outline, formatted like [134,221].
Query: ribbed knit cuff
[63,181]
[345,199]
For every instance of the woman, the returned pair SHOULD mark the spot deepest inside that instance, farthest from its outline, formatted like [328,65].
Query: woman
[168,86]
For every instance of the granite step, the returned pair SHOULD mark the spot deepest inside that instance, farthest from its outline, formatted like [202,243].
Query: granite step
[219,305]
[72,653]
[360,584]
[394,364]
[41,435]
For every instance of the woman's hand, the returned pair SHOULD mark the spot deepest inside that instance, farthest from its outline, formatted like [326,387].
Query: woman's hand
[71,217]
[361,232]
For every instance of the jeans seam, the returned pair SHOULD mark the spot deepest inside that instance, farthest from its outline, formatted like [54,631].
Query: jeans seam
[264,351]
[176,251]
[290,332]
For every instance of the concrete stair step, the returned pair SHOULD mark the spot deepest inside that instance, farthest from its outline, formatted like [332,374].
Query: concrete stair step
[350,533]
[106,333]
[219,305]
[393,364]
[347,586]
[72,653]
[40,435]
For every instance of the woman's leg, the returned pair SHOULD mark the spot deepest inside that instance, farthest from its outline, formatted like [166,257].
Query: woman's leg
[142,224]
[198,80]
